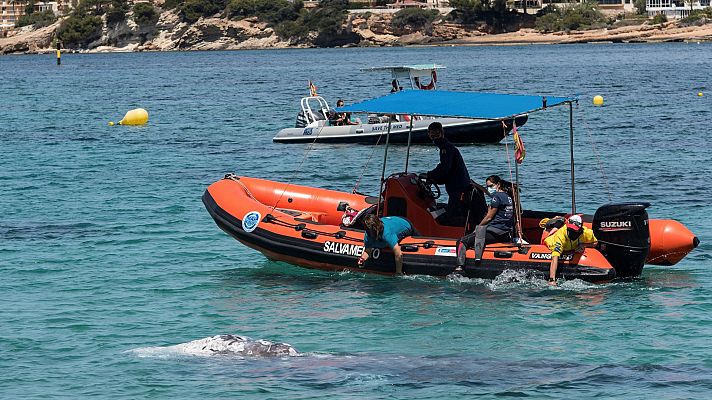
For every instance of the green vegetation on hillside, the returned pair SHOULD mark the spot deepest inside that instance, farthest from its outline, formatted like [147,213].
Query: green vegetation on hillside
[697,17]
[116,12]
[144,14]
[415,18]
[79,30]
[573,17]
[37,19]
[494,14]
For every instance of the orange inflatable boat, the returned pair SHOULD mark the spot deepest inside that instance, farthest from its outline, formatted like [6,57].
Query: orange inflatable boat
[305,226]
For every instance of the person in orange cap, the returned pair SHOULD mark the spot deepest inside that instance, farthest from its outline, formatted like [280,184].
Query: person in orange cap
[574,238]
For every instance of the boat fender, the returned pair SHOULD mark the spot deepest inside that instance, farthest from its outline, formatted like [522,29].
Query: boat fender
[503,254]
[300,227]
[340,234]
[309,234]
[411,248]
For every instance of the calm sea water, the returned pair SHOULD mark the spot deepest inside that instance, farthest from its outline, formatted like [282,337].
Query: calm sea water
[108,257]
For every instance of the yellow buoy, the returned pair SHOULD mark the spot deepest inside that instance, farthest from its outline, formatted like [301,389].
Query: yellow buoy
[137,116]
[598,100]
[700,94]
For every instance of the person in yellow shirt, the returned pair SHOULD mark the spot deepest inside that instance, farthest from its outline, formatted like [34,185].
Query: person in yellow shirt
[574,238]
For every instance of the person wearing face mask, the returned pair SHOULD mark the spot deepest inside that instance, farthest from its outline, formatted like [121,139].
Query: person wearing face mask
[575,237]
[500,214]
[495,227]
[451,171]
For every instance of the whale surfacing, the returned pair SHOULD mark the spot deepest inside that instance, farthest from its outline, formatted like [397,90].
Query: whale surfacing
[236,345]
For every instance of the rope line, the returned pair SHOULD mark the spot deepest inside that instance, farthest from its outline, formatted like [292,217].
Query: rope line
[304,158]
[592,142]
[363,171]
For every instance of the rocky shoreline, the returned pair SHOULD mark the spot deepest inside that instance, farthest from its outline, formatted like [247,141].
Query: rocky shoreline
[172,34]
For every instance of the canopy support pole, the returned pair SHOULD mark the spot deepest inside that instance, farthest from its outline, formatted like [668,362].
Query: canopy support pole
[407,154]
[518,204]
[571,149]
[383,171]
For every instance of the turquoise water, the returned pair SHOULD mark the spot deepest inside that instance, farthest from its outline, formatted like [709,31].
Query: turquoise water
[108,257]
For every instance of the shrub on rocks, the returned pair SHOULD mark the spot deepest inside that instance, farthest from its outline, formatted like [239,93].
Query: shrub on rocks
[192,10]
[79,29]
[117,12]
[659,19]
[274,11]
[573,17]
[413,19]
[144,14]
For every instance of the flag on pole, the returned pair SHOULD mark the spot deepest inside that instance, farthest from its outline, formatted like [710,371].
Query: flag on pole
[312,89]
[519,151]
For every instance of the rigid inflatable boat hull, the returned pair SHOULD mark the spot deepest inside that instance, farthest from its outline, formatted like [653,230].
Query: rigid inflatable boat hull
[280,242]
[457,131]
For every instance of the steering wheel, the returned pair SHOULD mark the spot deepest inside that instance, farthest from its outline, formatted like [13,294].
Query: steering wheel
[428,187]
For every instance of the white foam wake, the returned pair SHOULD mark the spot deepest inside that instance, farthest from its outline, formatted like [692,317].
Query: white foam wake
[220,345]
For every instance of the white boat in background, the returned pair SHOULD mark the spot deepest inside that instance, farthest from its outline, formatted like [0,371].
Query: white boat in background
[315,121]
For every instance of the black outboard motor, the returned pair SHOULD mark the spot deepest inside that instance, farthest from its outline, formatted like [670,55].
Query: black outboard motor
[301,120]
[623,234]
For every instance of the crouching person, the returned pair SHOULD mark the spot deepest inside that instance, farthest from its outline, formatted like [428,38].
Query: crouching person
[573,238]
[384,233]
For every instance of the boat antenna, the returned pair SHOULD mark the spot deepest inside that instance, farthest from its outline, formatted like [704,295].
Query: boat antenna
[383,171]
[571,150]
[407,154]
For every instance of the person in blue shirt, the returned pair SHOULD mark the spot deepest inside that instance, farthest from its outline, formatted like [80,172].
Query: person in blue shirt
[383,233]
[495,227]
[451,171]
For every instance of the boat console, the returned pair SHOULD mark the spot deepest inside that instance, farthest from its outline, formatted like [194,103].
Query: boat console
[406,195]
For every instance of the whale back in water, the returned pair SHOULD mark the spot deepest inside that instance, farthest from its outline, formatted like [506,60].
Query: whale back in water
[236,345]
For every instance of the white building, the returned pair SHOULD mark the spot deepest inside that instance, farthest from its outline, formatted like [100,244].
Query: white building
[610,7]
[674,8]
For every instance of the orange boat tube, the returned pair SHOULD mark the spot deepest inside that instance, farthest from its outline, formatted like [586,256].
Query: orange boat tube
[670,242]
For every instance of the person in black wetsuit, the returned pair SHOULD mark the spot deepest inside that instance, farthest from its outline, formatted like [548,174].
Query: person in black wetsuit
[452,172]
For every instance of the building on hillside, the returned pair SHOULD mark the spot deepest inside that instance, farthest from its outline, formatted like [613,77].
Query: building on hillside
[610,7]
[674,8]
[401,4]
[12,10]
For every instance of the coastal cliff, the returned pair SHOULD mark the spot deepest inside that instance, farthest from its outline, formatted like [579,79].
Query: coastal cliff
[171,33]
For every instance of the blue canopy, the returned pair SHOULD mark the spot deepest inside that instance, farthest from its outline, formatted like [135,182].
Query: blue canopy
[439,103]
